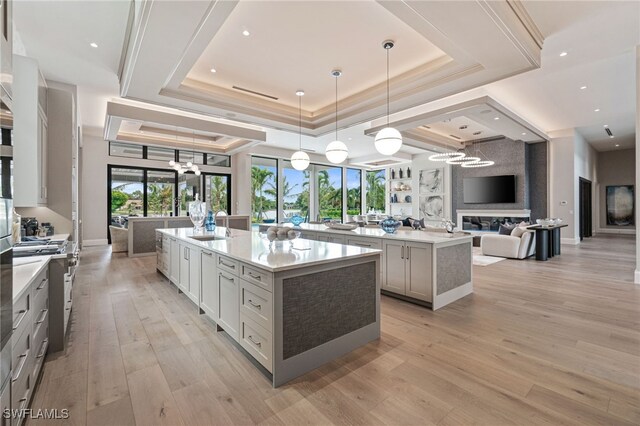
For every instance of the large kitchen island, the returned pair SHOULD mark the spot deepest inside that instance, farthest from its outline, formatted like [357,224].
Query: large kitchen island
[290,308]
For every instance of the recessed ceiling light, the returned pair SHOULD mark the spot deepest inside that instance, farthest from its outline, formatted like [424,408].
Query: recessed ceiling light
[213,70]
[349,138]
[596,110]
[496,118]
[524,134]
[611,137]
[93,44]
[617,145]
[606,125]
[563,54]
[246,33]
[583,87]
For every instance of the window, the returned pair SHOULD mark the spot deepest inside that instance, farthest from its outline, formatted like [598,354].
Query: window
[329,184]
[194,157]
[216,192]
[160,154]
[127,196]
[354,191]
[218,160]
[188,187]
[264,190]
[161,187]
[295,192]
[375,185]
[129,150]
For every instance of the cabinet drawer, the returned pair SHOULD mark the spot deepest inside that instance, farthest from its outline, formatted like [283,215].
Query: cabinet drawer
[20,392]
[21,357]
[262,279]
[257,341]
[40,319]
[256,304]
[308,235]
[39,356]
[337,239]
[40,290]
[228,264]
[21,316]
[371,243]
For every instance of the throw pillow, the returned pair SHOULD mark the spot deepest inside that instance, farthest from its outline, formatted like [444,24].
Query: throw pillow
[506,229]
[523,224]
[518,231]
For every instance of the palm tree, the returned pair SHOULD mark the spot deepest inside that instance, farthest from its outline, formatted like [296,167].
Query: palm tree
[375,181]
[259,178]
[218,188]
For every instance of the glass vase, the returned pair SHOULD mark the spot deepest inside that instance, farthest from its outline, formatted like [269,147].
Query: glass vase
[390,225]
[197,213]
[210,222]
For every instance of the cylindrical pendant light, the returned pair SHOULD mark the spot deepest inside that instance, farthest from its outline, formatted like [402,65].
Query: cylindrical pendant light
[336,151]
[388,141]
[300,159]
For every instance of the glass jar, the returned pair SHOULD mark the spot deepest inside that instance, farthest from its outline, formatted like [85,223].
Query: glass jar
[390,225]
[210,222]
[296,220]
[197,213]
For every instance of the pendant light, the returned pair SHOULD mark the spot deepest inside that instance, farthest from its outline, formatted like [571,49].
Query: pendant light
[190,166]
[300,159]
[336,151]
[388,141]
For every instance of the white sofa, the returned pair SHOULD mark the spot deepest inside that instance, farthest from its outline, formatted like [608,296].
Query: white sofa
[119,239]
[511,246]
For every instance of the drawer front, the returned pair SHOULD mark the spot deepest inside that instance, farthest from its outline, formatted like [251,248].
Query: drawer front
[256,304]
[338,239]
[228,264]
[20,392]
[262,279]
[21,358]
[257,341]
[371,243]
[40,290]
[308,235]
[21,316]
[40,319]
[39,356]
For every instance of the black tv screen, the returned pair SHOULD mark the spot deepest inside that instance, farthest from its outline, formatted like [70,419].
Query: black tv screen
[489,189]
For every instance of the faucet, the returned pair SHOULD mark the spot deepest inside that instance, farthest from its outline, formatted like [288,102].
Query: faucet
[226,222]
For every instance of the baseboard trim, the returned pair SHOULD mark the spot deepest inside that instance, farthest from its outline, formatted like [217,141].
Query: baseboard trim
[90,243]
[570,241]
[624,231]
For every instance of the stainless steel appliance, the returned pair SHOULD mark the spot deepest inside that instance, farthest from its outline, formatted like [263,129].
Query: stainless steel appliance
[40,247]
[6,251]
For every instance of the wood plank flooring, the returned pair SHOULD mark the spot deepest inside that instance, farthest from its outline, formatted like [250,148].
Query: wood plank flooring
[554,342]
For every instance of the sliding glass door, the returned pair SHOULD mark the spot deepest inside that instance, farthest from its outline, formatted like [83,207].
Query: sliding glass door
[126,195]
[329,185]
[217,193]
[161,193]
[375,185]
[295,192]
[354,191]
[188,187]
[264,190]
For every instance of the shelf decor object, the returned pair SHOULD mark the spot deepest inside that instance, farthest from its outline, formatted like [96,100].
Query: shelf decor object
[197,213]
[210,222]
[341,226]
[388,141]
[336,151]
[296,219]
[300,159]
[390,225]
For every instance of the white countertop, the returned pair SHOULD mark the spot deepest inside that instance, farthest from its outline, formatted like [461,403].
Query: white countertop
[249,247]
[25,269]
[413,235]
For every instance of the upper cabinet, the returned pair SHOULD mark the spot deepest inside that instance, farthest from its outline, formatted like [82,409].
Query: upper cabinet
[6,46]
[30,134]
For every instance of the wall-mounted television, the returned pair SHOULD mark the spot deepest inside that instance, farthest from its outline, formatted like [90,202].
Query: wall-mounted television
[489,189]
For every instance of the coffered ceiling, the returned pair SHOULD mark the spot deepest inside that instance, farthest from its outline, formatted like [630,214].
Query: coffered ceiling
[294,45]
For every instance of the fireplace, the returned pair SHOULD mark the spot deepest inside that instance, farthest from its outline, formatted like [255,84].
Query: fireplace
[480,221]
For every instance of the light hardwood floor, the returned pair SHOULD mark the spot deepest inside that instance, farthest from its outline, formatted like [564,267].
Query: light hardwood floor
[554,342]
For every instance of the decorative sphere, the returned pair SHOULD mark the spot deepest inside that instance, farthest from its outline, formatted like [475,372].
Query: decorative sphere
[271,235]
[337,152]
[282,234]
[300,160]
[388,141]
[292,235]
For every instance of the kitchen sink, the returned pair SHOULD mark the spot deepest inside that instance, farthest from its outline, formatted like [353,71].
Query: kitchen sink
[207,237]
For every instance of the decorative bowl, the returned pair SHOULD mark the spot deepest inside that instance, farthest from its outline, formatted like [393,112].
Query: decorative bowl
[296,220]
[341,226]
[390,225]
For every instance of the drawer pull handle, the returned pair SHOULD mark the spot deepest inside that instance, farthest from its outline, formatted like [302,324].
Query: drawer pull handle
[228,266]
[23,361]
[42,284]
[255,277]
[207,253]
[23,405]
[45,345]
[258,344]
[255,305]
[23,313]
[226,278]
[42,316]
[362,245]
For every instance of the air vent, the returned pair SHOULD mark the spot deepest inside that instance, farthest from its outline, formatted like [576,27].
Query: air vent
[253,92]
[463,127]
[486,111]
[455,137]
[477,133]
[609,132]
[426,127]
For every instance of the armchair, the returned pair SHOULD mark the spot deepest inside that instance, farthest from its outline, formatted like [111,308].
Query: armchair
[519,245]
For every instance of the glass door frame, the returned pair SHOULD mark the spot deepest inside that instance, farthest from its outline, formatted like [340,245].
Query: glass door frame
[204,188]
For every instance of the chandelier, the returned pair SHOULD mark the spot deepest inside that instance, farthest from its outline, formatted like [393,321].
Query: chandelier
[460,158]
[190,165]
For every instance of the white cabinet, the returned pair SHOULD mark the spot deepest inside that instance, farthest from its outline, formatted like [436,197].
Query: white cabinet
[338,239]
[407,269]
[30,134]
[228,295]
[189,276]
[209,301]
[183,274]
[174,256]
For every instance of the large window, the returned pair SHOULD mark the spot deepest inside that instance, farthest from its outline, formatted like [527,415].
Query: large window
[375,184]
[329,184]
[188,187]
[216,192]
[149,152]
[295,192]
[264,190]
[354,191]
[127,194]
[129,150]
[161,187]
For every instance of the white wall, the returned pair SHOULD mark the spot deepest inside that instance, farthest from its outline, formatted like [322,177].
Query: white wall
[561,185]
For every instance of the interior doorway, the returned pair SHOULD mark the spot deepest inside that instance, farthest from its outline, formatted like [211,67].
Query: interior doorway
[585,205]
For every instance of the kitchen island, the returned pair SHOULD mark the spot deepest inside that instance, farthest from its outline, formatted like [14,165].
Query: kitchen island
[428,268]
[290,308]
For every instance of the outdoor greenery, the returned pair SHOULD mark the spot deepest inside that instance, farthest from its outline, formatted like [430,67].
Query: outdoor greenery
[262,184]
[118,199]
[159,199]
[218,194]
[375,181]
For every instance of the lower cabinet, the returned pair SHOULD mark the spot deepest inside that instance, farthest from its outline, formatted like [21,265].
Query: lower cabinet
[189,275]
[228,296]
[174,263]
[257,341]
[209,302]
[407,269]
[338,239]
